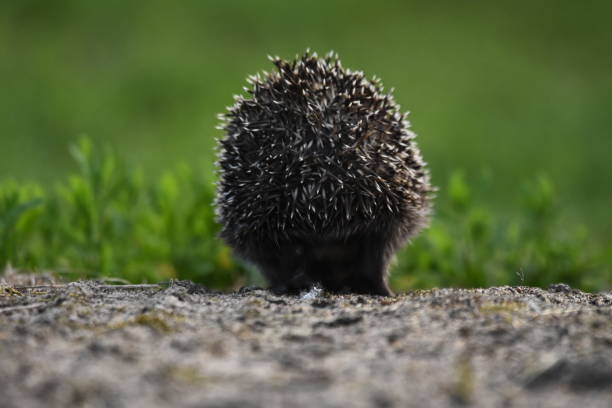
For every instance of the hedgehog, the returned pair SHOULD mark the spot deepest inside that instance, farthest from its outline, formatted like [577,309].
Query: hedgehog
[320,180]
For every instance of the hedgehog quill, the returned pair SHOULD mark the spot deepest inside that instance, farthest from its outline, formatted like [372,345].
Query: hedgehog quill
[320,178]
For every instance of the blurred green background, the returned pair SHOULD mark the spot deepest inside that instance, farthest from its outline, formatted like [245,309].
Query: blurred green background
[502,90]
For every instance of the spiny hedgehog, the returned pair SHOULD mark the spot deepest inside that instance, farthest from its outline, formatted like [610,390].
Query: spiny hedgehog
[320,179]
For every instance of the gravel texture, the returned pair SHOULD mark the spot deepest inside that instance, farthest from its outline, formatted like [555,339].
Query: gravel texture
[93,345]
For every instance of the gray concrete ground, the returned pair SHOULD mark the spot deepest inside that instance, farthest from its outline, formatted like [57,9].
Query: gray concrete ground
[90,345]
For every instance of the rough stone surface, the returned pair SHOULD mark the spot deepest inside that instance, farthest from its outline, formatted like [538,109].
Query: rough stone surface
[89,345]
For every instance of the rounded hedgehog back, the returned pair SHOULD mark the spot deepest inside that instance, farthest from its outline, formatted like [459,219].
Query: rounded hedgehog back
[320,151]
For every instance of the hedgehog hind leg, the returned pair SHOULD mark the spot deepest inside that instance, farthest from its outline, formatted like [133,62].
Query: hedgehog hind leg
[365,270]
[368,275]
[283,267]
[369,285]
[354,265]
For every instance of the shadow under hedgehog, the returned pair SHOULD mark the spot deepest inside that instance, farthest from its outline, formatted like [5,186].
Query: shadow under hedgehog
[320,179]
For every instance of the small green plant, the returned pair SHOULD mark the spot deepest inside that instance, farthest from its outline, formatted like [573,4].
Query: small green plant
[17,207]
[467,245]
[107,221]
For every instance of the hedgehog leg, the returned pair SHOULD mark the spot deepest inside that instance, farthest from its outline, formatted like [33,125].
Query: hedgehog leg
[283,268]
[354,265]
[370,283]
[370,270]
[276,276]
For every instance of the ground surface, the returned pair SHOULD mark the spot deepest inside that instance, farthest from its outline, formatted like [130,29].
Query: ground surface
[182,346]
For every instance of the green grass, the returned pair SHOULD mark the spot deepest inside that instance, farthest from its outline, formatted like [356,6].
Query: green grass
[106,220]
[469,245]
